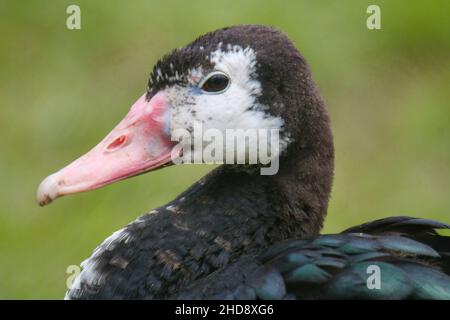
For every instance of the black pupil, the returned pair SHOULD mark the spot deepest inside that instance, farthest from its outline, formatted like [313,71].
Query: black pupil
[216,83]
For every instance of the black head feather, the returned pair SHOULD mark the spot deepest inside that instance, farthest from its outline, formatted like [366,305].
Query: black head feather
[283,73]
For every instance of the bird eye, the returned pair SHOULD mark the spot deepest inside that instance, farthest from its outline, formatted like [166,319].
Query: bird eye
[217,82]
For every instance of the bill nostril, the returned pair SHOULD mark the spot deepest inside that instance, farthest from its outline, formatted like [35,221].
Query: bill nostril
[117,143]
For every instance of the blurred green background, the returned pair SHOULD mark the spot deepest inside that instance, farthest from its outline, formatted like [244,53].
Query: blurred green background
[61,91]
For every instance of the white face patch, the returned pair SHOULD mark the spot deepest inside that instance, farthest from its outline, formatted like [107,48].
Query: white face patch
[234,108]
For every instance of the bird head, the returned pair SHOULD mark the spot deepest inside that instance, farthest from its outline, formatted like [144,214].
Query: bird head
[237,78]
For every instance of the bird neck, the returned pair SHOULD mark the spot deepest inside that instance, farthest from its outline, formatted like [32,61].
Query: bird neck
[232,213]
[305,177]
[243,204]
